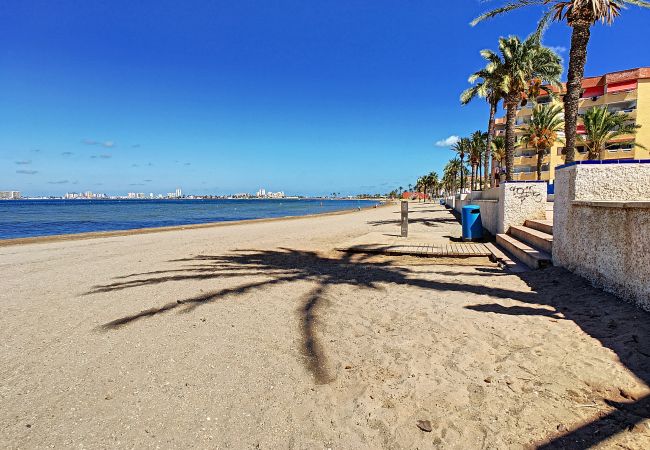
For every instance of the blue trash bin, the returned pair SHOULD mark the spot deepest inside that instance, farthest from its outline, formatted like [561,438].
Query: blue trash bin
[471,220]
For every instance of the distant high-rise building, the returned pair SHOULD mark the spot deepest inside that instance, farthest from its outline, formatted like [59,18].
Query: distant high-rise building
[9,195]
[179,193]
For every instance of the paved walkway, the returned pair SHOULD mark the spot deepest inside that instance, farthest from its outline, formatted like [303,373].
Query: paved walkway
[433,231]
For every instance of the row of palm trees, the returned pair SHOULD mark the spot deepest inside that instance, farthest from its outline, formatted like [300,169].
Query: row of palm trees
[543,131]
[428,185]
[525,69]
[475,149]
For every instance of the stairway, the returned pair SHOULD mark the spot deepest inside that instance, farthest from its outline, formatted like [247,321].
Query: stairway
[530,243]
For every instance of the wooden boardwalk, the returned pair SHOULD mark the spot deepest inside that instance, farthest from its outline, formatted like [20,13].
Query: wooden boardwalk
[451,249]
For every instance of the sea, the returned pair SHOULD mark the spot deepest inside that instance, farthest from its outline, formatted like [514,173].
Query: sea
[31,218]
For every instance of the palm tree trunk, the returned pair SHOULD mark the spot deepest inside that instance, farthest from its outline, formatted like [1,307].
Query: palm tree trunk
[462,173]
[471,185]
[511,115]
[577,58]
[540,155]
[488,147]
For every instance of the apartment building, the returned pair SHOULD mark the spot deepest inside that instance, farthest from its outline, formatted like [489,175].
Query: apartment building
[9,195]
[626,91]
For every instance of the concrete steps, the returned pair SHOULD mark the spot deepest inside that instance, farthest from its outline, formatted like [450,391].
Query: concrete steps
[505,261]
[533,237]
[531,257]
[530,243]
[545,226]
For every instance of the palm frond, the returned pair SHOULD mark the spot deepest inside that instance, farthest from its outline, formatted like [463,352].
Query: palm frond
[513,5]
[543,24]
[468,95]
[639,3]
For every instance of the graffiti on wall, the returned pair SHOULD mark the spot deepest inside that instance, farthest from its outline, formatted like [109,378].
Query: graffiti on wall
[523,193]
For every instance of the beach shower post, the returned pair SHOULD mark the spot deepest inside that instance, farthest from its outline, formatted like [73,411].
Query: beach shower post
[405,219]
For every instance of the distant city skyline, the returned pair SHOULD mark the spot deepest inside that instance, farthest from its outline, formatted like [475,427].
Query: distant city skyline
[307,98]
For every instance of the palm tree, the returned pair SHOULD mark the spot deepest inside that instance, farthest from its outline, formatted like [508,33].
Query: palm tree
[462,148]
[477,149]
[580,15]
[432,182]
[489,88]
[526,65]
[603,126]
[451,172]
[542,131]
[499,150]
[419,186]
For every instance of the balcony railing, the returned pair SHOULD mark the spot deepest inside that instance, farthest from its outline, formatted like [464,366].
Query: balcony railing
[606,99]
[530,176]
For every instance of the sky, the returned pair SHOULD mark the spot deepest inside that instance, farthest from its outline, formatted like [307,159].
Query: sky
[219,97]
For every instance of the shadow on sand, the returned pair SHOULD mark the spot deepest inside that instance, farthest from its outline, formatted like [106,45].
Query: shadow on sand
[429,222]
[617,325]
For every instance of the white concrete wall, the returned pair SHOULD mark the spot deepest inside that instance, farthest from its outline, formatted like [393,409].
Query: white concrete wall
[523,200]
[489,214]
[459,202]
[487,202]
[601,227]
[520,201]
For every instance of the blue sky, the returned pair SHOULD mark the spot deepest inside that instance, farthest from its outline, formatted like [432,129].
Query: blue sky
[221,97]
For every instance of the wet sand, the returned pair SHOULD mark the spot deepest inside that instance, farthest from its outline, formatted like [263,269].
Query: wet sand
[260,335]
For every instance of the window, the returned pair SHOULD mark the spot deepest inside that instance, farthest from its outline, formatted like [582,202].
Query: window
[626,107]
[623,147]
[524,153]
[581,149]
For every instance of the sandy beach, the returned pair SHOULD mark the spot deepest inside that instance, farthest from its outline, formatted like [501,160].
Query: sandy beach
[261,335]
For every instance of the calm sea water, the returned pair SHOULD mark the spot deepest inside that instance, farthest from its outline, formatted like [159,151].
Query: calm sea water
[28,218]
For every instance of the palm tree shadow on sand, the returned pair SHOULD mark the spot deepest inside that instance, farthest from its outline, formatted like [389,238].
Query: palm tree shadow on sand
[618,326]
[278,267]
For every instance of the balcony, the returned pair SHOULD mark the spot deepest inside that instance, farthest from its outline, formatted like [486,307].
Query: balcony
[628,108]
[607,99]
[528,160]
[530,176]
[623,149]
[523,119]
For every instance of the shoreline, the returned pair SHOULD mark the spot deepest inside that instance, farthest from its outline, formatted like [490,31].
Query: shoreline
[149,230]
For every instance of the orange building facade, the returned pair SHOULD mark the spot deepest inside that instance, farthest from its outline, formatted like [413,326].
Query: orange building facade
[626,91]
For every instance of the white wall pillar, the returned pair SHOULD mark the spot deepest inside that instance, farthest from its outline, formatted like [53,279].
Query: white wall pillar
[519,201]
[601,227]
